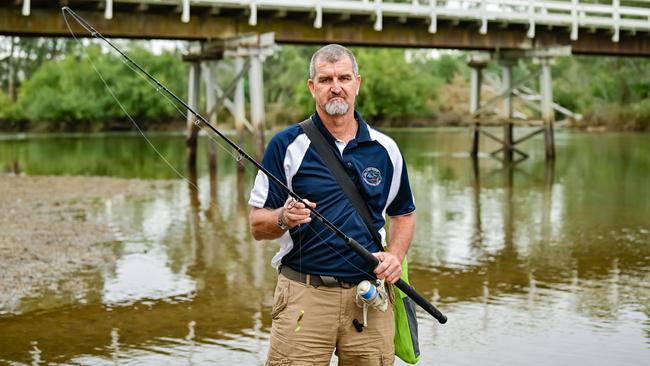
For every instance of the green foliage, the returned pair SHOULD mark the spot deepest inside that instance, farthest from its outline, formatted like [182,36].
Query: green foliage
[61,91]
[611,90]
[642,114]
[70,92]
[285,82]
[391,87]
[59,88]
[5,105]
[139,96]
[285,71]
[447,66]
[26,54]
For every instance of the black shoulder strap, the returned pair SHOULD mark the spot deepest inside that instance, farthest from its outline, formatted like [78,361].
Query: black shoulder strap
[336,168]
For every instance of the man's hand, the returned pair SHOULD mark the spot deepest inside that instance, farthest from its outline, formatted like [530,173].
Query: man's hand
[389,268]
[295,213]
[390,261]
[264,222]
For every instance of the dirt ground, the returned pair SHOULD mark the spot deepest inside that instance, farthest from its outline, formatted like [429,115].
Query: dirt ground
[46,231]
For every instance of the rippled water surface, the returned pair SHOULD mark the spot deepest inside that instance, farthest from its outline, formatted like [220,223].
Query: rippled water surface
[540,264]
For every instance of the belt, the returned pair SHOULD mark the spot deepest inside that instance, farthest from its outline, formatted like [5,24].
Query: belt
[313,280]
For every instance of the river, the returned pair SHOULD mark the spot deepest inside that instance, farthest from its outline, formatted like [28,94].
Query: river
[541,264]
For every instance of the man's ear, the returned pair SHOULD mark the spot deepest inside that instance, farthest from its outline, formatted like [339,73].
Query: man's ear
[310,85]
[358,83]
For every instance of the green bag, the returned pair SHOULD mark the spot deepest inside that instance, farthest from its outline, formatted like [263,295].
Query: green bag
[406,324]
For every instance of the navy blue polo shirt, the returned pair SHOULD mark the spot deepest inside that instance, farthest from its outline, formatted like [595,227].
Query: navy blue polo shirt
[375,164]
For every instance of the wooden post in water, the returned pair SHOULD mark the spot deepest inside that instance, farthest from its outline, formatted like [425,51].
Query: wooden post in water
[548,115]
[108,11]
[202,59]
[506,83]
[256,48]
[477,237]
[211,108]
[549,178]
[240,105]
[477,62]
[194,85]
[256,83]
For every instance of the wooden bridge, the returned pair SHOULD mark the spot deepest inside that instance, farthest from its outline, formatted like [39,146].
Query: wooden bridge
[616,27]
[508,29]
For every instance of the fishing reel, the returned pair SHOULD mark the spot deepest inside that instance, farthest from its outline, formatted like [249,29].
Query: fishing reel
[370,295]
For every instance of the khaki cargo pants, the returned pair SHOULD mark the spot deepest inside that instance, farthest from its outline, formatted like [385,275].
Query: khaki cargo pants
[325,327]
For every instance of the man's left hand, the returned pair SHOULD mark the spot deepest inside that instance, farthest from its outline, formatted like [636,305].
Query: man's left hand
[389,268]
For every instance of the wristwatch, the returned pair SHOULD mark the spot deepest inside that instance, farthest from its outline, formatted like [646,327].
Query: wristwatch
[281,223]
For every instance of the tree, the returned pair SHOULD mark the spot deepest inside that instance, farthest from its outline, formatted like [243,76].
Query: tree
[23,55]
[68,93]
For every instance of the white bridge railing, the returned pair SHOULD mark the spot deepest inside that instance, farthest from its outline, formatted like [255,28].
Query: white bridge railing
[615,15]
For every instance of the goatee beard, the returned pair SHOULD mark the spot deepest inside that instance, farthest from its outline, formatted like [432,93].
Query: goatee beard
[336,107]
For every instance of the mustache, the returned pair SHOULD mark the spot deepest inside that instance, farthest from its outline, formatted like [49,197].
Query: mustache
[332,96]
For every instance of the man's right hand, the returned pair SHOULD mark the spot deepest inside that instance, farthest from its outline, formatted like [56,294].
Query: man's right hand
[295,213]
[264,221]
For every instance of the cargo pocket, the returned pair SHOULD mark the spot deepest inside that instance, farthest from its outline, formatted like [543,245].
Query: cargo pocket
[277,362]
[280,299]
[388,360]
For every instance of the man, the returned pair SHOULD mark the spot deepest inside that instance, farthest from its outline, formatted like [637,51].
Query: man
[314,302]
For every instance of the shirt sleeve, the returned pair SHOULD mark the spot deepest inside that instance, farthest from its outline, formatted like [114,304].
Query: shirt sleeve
[266,193]
[403,203]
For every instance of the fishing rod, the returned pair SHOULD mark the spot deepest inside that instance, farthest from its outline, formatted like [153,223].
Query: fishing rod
[201,122]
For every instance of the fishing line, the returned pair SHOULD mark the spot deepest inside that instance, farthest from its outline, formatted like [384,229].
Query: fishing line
[201,122]
[110,91]
[160,90]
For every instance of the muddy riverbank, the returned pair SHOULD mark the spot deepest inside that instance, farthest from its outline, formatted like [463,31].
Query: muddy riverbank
[48,231]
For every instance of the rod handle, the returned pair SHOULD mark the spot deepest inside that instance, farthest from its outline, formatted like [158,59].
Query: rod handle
[405,287]
[424,304]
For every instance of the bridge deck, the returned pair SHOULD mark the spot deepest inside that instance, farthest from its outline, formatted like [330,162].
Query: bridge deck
[593,27]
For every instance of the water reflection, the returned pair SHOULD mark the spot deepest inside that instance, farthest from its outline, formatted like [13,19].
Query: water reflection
[514,246]
[538,262]
[145,276]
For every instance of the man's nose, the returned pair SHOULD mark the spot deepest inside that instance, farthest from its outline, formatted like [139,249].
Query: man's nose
[336,87]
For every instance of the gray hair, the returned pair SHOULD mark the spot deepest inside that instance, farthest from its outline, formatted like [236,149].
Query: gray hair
[332,53]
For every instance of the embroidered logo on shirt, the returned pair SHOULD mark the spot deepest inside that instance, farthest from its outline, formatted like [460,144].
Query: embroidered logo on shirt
[372,176]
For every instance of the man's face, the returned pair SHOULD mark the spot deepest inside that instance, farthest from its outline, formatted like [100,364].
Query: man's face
[334,86]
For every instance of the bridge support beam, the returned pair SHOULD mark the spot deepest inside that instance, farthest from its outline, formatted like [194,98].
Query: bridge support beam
[193,89]
[211,108]
[256,82]
[256,48]
[249,53]
[27,8]
[548,114]
[509,88]
[239,112]
[508,136]
[477,62]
